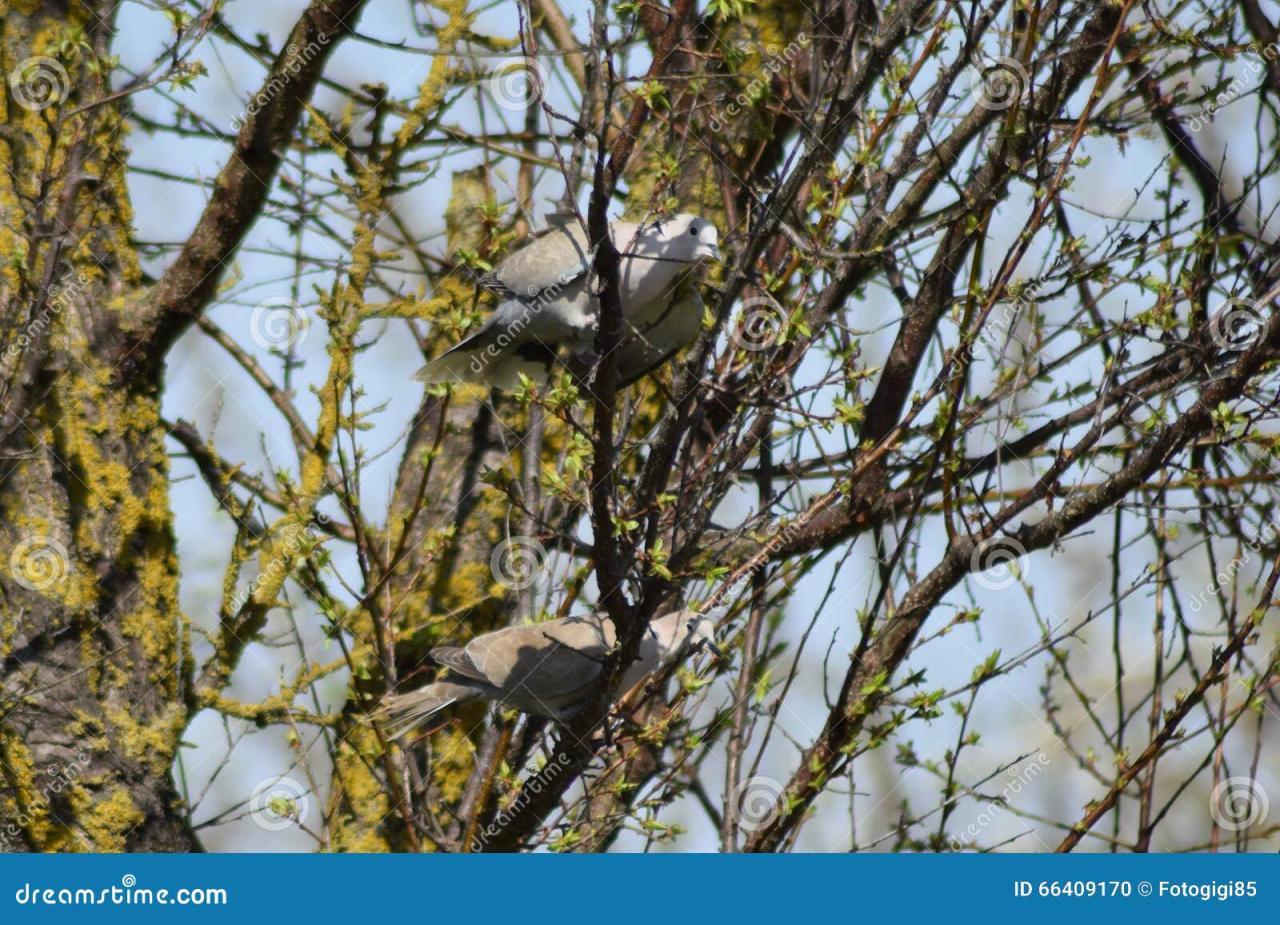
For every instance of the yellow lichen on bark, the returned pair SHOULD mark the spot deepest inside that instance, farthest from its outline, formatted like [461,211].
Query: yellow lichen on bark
[90,487]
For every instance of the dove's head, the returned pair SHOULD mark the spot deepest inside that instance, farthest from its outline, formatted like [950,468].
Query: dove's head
[686,238]
[699,631]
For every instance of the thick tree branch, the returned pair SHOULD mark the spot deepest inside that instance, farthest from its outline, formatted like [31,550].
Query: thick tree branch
[272,117]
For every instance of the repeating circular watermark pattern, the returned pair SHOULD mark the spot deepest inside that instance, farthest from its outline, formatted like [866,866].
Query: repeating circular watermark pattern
[756,803]
[1238,803]
[994,562]
[517,82]
[279,324]
[517,562]
[278,803]
[998,83]
[38,563]
[1237,325]
[759,326]
[39,82]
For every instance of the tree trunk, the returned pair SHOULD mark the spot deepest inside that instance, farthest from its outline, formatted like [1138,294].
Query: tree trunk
[94,645]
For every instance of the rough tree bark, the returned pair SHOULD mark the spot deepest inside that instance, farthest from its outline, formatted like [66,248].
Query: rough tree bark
[97,668]
[838,147]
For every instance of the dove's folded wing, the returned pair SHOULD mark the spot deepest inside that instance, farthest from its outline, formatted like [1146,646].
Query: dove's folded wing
[552,660]
[458,661]
[549,305]
[548,263]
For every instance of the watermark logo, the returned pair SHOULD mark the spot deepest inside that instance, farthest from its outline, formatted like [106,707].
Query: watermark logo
[1019,778]
[295,59]
[532,305]
[995,564]
[1238,803]
[38,563]
[39,82]
[56,779]
[518,562]
[756,802]
[775,60]
[279,803]
[759,326]
[516,83]
[279,324]
[1255,59]
[58,297]
[1237,325]
[998,83]
[125,893]
[294,539]
[534,786]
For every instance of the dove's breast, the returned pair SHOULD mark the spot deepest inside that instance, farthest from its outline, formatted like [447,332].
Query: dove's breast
[645,279]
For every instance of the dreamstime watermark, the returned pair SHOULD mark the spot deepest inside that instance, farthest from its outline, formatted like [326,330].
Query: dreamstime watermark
[532,301]
[279,324]
[295,537]
[760,324]
[1257,539]
[532,787]
[998,83]
[995,562]
[58,298]
[279,803]
[1224,578]
[756,803]
[1019,778]
[57,778]
[126,893]
[1255,59]
[1237,325]
[39,562]
[778,533]
[295,60]
[998,329]
[39,82]
[1238,803]
[775,60]
[518,562]
[517,82]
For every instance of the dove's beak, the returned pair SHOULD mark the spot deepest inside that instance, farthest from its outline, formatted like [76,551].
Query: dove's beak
[710,252]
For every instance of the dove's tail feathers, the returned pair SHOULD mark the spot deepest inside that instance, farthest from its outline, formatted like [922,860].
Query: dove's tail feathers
[489,362]
[463,362]
[449,368]
[401,713]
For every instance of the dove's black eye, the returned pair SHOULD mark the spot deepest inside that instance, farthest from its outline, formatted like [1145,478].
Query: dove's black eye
[693,230]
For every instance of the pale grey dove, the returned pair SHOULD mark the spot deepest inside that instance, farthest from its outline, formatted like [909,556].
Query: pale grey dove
[543,668]
[548,304]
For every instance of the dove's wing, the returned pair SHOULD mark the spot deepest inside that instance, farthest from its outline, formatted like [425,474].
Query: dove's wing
[458,661]
[545,305]
[548,305]
[514,340]
[550,661]
[550,261]
[544,669]
[491,283]
[547,266]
